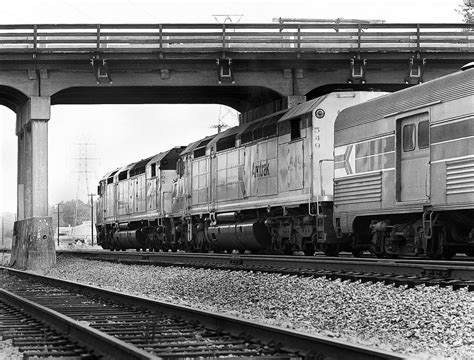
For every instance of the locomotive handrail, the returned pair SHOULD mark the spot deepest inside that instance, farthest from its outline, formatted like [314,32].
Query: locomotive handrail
[293,37]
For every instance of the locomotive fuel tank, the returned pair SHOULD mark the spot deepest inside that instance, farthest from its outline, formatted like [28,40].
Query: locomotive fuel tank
[129,239]
[252,235]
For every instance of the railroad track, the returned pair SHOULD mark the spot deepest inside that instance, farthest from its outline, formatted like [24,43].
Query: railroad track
[38,332]
[169,331]
[410,272]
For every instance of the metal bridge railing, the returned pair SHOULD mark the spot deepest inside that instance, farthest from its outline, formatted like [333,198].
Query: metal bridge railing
[292,37]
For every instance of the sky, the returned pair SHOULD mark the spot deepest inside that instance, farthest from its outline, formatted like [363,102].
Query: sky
[115,133]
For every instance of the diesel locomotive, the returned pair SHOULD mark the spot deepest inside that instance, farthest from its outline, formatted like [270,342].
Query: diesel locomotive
[389,173]
[265,186]
[404,170]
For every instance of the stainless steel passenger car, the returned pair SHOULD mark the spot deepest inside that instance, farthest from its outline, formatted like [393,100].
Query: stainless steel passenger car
[404,170]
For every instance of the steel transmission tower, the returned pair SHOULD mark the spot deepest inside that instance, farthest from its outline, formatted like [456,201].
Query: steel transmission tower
[85,152]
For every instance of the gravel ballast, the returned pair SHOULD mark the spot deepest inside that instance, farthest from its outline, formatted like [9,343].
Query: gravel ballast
[428,322]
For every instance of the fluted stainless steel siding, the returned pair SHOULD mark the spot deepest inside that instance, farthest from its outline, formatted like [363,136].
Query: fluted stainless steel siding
[460,177]
[446,88]
[364,188]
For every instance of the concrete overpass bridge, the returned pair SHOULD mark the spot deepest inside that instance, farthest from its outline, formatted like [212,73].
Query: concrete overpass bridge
[254,68]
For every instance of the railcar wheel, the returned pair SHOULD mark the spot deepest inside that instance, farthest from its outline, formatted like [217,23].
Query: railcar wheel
[331,250]
[357,252]
[449,253]
[309,250]
[436,243]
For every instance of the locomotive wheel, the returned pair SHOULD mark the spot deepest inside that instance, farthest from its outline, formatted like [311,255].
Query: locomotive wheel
[331,250]
[449,253]
[435,244]
[357,252]
[309,250]
[469,253]
[288,250]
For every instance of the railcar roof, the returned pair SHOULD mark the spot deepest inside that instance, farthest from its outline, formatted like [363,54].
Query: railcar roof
[141,163]
[445,88]
[231,131]
[107,175]
[195,144]
[302,108]
[158,157]
[125,168]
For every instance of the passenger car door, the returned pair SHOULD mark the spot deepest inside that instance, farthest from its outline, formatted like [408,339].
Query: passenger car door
[414,158]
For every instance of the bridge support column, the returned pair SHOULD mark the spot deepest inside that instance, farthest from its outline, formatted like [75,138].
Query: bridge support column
[294,100]
[33,242]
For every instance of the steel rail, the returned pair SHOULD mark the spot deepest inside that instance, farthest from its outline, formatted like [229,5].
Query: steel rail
[67,38]
[108,346]
[305,344]
[443,269]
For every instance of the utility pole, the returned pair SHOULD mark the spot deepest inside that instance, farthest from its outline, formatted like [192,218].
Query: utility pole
[92,219]
[58,220]
[224,111]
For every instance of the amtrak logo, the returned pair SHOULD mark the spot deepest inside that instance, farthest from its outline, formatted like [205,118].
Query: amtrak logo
[344,161]
[347,160]
[260,170]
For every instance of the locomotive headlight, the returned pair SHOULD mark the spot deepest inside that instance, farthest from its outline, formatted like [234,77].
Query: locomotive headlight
[319,113]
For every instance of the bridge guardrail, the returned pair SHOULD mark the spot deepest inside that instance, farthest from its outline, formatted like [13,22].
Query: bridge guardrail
[293,37]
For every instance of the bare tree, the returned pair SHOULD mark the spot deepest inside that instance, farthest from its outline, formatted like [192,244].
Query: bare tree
[466,11]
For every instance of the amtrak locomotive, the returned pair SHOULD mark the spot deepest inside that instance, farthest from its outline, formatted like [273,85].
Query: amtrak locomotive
[266,186]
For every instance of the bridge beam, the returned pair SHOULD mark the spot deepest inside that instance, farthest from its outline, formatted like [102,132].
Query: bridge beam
[33,243]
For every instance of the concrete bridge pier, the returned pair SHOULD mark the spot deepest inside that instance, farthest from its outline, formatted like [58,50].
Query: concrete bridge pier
[33,242]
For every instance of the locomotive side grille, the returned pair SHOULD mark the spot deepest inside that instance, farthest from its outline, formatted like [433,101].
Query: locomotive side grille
[365,188]
[460,177]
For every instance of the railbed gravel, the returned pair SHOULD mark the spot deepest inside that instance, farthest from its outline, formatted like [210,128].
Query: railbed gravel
[423,322]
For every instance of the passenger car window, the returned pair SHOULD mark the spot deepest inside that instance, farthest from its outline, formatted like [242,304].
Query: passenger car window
[423,134]
[409,137]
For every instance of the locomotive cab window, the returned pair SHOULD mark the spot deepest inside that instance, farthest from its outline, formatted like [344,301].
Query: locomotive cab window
[295,128]
[180,167]
[153,170]
[123,175]
[199,152]
[408,137]
[225,143]
[423,134]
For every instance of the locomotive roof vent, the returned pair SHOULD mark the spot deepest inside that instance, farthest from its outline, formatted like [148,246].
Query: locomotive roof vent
[468,66]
